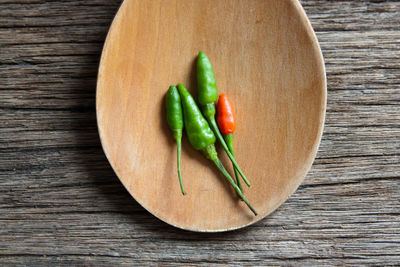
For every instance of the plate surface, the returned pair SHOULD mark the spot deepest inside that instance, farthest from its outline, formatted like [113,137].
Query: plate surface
[265,57]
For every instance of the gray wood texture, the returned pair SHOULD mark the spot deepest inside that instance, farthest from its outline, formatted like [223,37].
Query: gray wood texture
[61,203]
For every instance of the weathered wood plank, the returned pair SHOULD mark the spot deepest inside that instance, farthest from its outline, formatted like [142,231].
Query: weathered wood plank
[61,204]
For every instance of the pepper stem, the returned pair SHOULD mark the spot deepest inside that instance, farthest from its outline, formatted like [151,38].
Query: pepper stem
[179,145]
[218,163]
[229,142]
[222,141]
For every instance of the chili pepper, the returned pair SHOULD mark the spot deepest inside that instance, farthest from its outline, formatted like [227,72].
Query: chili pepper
[201,137]
[227,125]
[207,96]
[175,122]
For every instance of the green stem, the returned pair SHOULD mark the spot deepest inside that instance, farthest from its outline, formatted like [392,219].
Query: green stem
[178,142]
[229,142]
[218,163]
[222,141]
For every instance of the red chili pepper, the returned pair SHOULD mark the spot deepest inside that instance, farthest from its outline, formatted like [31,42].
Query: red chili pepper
[225,117]
[227,125]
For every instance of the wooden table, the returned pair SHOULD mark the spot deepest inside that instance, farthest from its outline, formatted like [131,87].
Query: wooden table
[61,203]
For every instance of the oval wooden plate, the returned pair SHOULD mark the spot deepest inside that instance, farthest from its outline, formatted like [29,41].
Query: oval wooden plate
[265,57]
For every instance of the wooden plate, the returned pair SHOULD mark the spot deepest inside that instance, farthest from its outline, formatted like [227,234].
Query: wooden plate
[265,57]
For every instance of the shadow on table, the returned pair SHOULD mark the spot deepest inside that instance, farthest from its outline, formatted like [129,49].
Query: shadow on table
[114,198]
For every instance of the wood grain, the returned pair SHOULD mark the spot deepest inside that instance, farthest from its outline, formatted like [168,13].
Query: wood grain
[61,203]
[279,89]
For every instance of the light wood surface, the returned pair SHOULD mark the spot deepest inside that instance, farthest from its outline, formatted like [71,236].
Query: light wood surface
[265,57]
[61,203]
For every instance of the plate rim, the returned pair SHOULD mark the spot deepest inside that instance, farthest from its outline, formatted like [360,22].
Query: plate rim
[313,153]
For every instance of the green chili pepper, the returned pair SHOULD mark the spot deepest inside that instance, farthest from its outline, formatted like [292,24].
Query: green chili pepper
[175,122]
[207,96]
[201,137]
